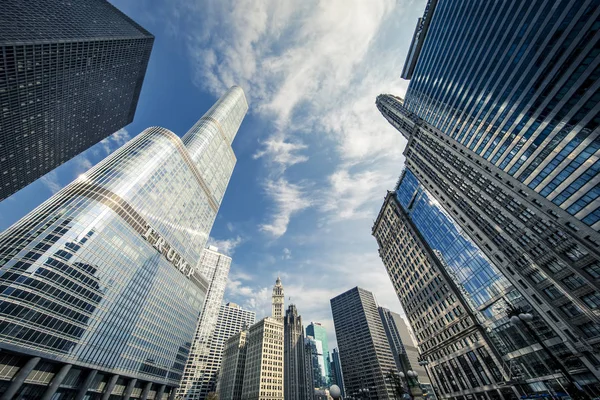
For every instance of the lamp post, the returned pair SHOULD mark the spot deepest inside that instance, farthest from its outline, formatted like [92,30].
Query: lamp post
[519,317]
[412,384]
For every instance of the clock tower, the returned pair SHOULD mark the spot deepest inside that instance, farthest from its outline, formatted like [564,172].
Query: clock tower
[277,310]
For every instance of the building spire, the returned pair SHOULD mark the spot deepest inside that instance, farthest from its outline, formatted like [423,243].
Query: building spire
[277,300]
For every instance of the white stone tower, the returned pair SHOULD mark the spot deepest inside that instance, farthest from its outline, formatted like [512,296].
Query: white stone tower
[277,310]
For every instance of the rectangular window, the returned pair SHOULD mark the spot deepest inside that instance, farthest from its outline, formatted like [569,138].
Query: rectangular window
[537,277]
[573,282]
[593,270]
[592,300]
[552,292]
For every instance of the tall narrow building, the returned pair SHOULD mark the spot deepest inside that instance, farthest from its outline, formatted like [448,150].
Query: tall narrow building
[116,251]
[503,150]
[231,376]
[277,301]
[319,334]
[263,373]
[71,75]
[403,348]
[309,367]
[294,385]
[199,374]
[365,353]
[337,372]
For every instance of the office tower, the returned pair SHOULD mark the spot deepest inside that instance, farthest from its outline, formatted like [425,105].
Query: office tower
[316,351]
[403,348]
[198,377]
[337,372]
[231,378]
[71,75]
[277,301]
[309,370]
[318,332]
[232,319]
[294,386]
[103,276]
[263,373]
[364,350]
[456,300]
[510,154]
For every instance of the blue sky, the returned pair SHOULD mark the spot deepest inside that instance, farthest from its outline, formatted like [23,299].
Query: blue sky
[315,157]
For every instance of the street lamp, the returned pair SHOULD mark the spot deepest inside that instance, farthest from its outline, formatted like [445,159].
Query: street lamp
[521,318]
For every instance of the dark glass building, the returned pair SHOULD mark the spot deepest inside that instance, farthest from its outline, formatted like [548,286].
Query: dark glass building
[101,286]
[501,117]
[70,75]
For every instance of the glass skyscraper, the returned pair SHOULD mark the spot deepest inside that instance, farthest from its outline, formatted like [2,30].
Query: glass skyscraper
[70,75]
[100,286]
[318,332]
[501,117]
[200,373]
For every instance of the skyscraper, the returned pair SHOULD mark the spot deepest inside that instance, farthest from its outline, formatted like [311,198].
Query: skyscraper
[318,332]
[294,386]
[503,146]
[364,349]
[231,320]
[103,276]
[403,348]
[198,377]
[231,377]
[263,373]
[277,301]
[337,372]
[71,75]
[309,370]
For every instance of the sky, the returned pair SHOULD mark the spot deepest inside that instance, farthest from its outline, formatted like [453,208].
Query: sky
[315,156]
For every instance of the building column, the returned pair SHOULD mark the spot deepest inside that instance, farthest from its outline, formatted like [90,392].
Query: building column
[110,386]
[85,385]
[146,390]
[129,388]
[56,381]
[172,394]
[19,378]
[160,393]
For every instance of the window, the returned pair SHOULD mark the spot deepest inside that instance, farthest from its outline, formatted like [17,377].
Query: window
[570,310]
[555,266]
[592,300]
[590,329]
[593,270]
[552,292]
[537,277]
[573,282]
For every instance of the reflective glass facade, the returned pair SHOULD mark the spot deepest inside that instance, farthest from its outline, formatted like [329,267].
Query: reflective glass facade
[70,75]
[106,273]
[517,84]
[317,331]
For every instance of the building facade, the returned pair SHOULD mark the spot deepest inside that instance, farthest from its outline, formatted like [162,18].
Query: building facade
[277,301]
[337,372]
[309,368]
[199,377]
[364,349]
[503,146]
[231,320]
[231,377]
[65,83]
[403,348]
[263,373]
[294,386]
[99,286]
[318,332]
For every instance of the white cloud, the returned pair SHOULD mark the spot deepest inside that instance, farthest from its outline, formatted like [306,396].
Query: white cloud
[50,180]
[289,199]
[114,141]
[282,152]
[226,246]
[287,254]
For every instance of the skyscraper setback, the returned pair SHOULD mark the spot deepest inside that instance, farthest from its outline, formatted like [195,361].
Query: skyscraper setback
[104,277]
[71,75]
[501,117]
